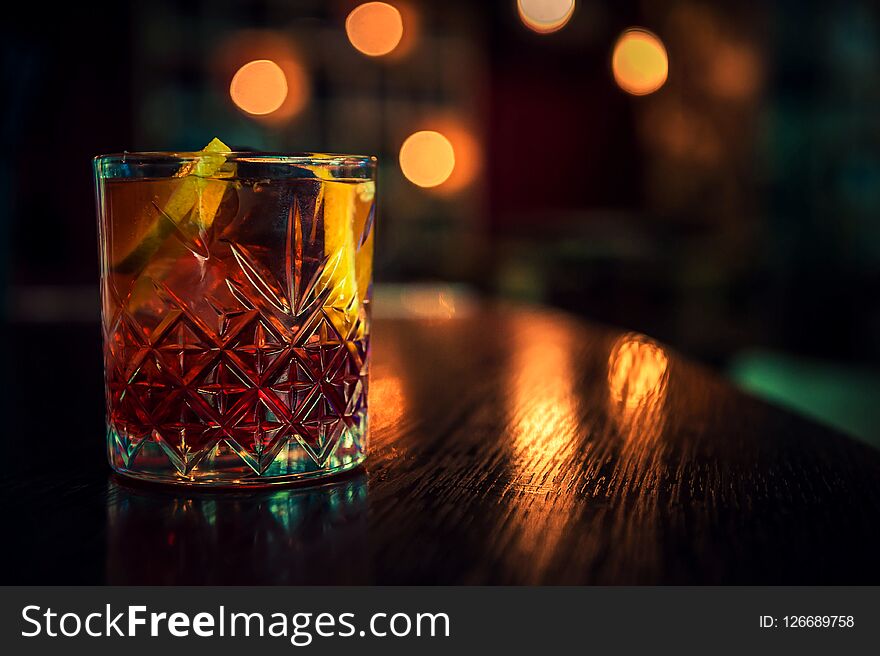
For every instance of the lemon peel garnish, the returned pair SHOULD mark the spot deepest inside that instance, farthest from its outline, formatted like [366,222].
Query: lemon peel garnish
[191,207]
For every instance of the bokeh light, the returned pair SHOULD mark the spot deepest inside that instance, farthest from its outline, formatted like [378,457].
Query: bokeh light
[734,71]
[374,28]
[639,63]
[545,16]
[427,158]
[430,303]
[259,87]
[256,88]
[462,135]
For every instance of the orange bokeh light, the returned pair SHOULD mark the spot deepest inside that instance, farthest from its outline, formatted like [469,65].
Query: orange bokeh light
[545,16]
[259,87]
[427,158]
[374,28]
[264,75]
[639,63]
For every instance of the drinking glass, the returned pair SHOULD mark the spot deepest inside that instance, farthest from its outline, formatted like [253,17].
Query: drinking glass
[236,314]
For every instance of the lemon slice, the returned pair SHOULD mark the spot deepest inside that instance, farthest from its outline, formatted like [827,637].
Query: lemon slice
[349,264]
[191,207]
[366,193]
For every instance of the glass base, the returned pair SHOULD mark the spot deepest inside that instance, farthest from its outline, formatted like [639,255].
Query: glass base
[228,465]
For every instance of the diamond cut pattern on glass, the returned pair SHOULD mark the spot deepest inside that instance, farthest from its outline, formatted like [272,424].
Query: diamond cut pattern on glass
[258,434]
[256,347]
[187,433]
[320,429]
[182,347]
[293,381]
[268,358]
[222,387]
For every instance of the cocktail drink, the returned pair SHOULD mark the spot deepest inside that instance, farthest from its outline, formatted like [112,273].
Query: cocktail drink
[236,303]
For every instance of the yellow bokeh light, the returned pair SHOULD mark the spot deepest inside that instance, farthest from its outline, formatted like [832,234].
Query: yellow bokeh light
[639,63]
[545,16]
[427,158]
[259,87]
[374,28]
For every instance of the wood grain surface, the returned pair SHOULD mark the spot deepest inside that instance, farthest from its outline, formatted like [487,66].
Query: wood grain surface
[509,446]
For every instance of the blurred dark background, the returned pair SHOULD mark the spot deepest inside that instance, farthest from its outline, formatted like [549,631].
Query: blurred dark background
[733,212]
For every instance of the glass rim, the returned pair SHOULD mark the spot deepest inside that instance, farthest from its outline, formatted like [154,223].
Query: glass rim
[297,158]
